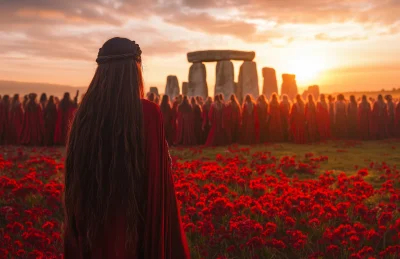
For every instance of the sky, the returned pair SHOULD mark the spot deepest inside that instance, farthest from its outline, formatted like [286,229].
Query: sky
[341,45]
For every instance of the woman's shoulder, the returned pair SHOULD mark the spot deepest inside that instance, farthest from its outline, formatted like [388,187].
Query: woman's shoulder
[150,108]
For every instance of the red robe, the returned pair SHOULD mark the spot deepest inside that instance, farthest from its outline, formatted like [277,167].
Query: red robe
[4,123]
[175,119]
[323,121]
[379,120]
[15,125]
[390,125]
[169,125]
[364,120]
[32,132]
[331,106]
[64,120]
[50,120]
[185,134]
[275,130]
[352,115]
[311,122]
[162,236]
[233,125]
[285,112]
[250,125]
[262,110]
[216,136]
[298,124]
[340,120]
[205,122]
[397,120]
[197,124]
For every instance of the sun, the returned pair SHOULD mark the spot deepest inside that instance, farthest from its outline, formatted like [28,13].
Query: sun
[306,67]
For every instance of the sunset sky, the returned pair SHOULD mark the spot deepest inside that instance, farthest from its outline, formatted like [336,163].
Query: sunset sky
[339,44]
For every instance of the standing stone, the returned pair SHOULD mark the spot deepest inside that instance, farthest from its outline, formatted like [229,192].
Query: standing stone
[248,80]
[154,90]
[198,80]
[270,85]
[185,88]
[172,87]
[289,86]
[224,83]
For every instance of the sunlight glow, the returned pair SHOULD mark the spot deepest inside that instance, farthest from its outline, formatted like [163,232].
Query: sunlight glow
[306,67]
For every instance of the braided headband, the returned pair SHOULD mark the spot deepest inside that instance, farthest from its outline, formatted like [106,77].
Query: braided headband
[136,55]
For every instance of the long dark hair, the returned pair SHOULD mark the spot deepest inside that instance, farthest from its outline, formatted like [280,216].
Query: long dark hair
[105,153]
[185,105]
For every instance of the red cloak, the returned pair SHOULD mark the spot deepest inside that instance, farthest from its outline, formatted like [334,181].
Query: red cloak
[15,125]
[262,109]
[216,135]
[198,132]
[175,105]
[32,132]
[4,123]
[162,236]
[323,121]
[397,120]
[50,120]
[332,118]
[233,122]
[352,115]
[298,124]
[285,112]
[311,122]
[168,119]
[275,130]
[185,134]
[390,125]
[364,120]
[205,122]
[379,117]
[250,125]
[64,119]
[340,120]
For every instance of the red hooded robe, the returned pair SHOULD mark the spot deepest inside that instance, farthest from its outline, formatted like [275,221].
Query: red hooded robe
[323,121]
[250,125]
[16,122]
[32,132]
[298,123]
[275,129]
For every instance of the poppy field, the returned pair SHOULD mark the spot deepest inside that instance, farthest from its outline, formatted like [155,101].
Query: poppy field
[331,200]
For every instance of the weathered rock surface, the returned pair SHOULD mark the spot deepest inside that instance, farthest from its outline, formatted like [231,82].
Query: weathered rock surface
[270,84]
[224,83]
[248,80]
[289,86]
[172,87]
[198,80]
[219,55]
[185,88]
[154,90]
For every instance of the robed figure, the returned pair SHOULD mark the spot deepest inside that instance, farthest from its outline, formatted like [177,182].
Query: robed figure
[352,114]
[175,105]
[65,114]
[50,120]
[284,107]
[4,119]
[364,119]
[205,119]
[234,120]
[341,118]
[331,106]
[379,118]
[119,191]
[168,119]
[32,132]
[216,136]
[275,125]
[185,134]
[397,120]
[198,131]
[323,119]
[298,121]
[390,125]
[250,123]
[16,121]
[262,109]
[311,119]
